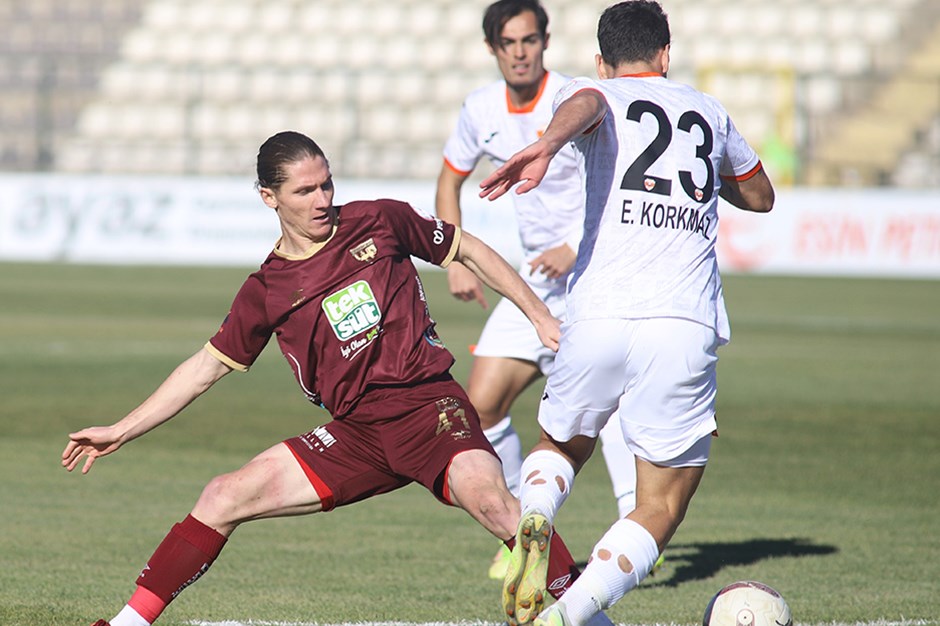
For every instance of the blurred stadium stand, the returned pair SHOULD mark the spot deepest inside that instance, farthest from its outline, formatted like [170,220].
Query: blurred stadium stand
[832,92]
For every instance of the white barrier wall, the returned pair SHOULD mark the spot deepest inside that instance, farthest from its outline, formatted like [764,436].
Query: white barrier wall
[222,221]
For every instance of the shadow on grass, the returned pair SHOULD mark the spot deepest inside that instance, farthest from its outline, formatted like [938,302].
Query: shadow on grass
[699,561]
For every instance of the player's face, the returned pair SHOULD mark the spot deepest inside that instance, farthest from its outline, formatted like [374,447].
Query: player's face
[304,202]
[519,52]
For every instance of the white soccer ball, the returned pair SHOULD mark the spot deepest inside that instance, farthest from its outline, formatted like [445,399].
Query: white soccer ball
[747,603]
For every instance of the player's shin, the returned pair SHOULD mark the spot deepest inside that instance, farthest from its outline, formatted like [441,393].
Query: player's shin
[546,483]
[620,560]
[186,553]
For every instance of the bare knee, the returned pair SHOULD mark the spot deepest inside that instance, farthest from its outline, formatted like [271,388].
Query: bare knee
[217,502]
[477,486]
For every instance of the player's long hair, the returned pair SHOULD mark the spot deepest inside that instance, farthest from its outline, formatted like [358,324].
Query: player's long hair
[631,31]
[280,150]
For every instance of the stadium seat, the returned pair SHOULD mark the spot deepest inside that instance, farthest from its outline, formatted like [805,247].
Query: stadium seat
[413,60]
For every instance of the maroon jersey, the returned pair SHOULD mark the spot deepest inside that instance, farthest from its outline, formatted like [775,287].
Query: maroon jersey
[351,315]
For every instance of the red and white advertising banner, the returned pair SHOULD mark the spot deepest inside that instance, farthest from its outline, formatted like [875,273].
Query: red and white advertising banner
[222,221]
[836,232]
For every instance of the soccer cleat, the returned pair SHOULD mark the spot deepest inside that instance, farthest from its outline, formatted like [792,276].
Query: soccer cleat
[555,615]
[101,622]
[500,563]
[658,565]
[524,586]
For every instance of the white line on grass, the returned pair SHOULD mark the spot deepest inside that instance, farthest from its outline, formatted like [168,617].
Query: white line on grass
[916,622]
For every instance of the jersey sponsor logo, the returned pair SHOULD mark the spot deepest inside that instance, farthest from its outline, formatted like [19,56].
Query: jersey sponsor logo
[432,338]
[319,439]
[365,251]
[438,236]
[352,310]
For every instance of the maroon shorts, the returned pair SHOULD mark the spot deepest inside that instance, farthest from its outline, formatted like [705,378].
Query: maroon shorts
[392,438]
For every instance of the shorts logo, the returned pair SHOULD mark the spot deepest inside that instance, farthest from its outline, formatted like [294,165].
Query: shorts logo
[452,419]
[365,251]
[352,310]
[559,583]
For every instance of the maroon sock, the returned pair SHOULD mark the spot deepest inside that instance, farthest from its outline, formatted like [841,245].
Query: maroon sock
[184,555]
[562,570]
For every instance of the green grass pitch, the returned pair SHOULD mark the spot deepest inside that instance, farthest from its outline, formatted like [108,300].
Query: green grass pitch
[824,482]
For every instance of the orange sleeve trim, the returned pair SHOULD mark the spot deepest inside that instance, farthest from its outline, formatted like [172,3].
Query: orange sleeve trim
[327,501]
[235,365]
[749,174]
[531,106]
[458,233]
[456,170]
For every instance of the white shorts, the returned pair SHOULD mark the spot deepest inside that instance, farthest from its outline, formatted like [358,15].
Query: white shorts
[659,373]
[508,333]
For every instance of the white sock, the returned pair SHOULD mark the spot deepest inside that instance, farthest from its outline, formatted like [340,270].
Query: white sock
[546,482]
[621,466]
[128,617]
[505,441]
[620,560]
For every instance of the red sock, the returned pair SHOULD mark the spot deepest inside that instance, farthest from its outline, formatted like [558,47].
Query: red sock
[184,555]
[562,570]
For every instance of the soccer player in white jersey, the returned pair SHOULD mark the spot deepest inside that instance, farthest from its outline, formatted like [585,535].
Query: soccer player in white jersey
[645,312]
[496,121]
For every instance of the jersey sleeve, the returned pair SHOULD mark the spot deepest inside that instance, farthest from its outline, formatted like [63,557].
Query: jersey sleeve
[421,235]
[740,160]
[462,150]
[572,87]
[245,331]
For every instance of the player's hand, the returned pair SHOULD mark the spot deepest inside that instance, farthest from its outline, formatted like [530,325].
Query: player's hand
[549,330]
[90,443]
[554,262]
[527,166]
[464,284]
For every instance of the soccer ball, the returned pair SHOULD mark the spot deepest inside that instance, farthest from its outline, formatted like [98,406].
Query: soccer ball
[747,603]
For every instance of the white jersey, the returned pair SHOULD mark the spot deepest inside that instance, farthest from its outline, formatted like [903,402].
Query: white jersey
[652,171]
[489,125]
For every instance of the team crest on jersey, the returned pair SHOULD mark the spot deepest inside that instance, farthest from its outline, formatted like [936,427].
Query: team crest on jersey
[352,310]
[365,251]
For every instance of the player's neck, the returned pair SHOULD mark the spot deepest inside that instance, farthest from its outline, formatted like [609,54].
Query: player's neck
[523,97]
[638,69]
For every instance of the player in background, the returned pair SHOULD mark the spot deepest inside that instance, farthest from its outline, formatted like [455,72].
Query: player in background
[645,311]
[342,296]
[496,121]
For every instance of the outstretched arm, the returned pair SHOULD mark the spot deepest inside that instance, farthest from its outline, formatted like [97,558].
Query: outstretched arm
[576,115]
[493,270]
[187,382]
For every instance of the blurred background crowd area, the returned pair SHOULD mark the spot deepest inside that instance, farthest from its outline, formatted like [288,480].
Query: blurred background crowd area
[831,92]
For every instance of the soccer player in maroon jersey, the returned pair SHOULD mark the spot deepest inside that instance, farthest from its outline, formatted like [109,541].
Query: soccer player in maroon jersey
[342,297]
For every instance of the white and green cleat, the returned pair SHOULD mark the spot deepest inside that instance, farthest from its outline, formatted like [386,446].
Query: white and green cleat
[524,586]
[555,615]
[500,564]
